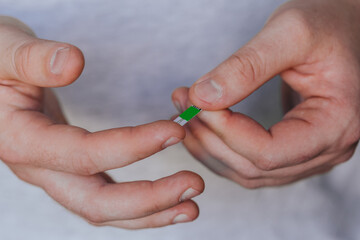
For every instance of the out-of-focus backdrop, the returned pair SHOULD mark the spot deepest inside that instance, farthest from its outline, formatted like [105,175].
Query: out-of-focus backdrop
[137,52]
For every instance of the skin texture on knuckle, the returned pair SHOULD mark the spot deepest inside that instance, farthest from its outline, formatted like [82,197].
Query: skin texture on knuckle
[80,157]
[90,209]
[22,58]
[93,218]
[247,64]
[154,205]
[85,164]
[266,162]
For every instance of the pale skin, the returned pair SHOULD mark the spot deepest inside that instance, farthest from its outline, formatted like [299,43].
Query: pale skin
[68,162]
[314,46]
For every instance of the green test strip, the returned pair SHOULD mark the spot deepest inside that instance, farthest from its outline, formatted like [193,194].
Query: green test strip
[187,115]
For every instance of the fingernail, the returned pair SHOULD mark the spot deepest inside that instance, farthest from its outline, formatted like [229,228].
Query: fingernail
[208,91]
[188,194]
[181,218]
[177,106]
[171,141]
[58,60]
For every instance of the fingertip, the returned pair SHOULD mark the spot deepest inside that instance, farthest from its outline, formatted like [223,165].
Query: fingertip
[186,212]
[173,129]
[179,98]
[184,185]
[207,92]
[195,100]
[66,64]
[179,93]
[191,180]
[165,132]
[73,67]
[194,210]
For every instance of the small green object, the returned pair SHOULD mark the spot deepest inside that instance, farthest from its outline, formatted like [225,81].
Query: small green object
[190,113]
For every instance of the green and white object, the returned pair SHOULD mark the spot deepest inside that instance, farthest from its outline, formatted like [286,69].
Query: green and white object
[187,115]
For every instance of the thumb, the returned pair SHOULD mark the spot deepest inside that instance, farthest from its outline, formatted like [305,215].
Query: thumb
[36,61]
[279,46]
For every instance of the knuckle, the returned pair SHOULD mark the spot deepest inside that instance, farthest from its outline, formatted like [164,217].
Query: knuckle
[248,171]
[266,163]
[22,58]
[247,64]
[154,203]
[92,215]
[85,165]
[299,18]
[84,162]
[92,210]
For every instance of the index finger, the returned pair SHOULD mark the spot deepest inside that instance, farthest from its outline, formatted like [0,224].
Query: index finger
[31,138]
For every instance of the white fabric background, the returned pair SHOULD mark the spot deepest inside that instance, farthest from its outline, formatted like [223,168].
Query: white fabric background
[137,52]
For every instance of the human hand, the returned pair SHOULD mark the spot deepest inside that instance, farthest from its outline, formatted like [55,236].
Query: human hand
[67,161]
[314,46]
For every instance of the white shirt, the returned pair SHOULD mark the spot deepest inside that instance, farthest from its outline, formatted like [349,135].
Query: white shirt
[136,53]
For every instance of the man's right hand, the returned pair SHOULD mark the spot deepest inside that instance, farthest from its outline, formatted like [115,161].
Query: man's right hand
[68,162]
